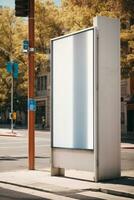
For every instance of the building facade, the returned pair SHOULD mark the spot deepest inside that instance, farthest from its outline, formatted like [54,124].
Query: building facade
[42,96]
[127,105]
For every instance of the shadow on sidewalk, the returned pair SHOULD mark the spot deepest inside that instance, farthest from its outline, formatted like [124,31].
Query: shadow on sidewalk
[6,194]
[124,180]
[76,195]
[15,158]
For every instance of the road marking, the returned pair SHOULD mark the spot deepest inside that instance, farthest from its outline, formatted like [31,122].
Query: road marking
[24,146]
[20,142]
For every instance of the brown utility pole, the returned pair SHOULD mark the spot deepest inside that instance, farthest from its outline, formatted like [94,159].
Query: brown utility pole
[31,113]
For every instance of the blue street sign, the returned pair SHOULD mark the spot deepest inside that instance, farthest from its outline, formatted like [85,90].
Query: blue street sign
[25,45]
[12,68]
[15,70]
[32,105]
[9,66]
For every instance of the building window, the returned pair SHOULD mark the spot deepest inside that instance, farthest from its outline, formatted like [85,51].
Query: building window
[41,83]
[122,117]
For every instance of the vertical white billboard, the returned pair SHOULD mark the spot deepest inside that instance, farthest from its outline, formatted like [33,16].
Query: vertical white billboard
[73,90]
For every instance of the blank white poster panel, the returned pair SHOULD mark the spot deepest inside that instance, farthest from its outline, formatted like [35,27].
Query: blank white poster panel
[73,90]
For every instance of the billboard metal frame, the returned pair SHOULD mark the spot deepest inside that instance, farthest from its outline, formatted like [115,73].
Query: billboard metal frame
[94,84]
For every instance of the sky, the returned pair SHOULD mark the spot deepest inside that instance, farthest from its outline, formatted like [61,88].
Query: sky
[11,3]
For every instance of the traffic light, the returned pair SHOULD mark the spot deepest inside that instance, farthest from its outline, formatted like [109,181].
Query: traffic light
[21,8]
[14,115]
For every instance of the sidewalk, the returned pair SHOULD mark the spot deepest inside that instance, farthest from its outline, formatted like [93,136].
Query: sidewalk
[42,184]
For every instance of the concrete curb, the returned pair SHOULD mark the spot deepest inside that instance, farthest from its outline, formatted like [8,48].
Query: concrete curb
[127,147]
[10,134]
[117,193]
[103,190]
[24,186]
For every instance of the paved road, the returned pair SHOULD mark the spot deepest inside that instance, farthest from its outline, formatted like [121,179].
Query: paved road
[6,194]
[13,152]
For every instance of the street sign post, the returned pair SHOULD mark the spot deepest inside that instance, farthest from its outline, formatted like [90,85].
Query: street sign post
[31,113]
[24,8]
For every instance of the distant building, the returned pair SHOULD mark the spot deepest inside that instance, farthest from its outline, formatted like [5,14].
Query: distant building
[42,96]
[127,105]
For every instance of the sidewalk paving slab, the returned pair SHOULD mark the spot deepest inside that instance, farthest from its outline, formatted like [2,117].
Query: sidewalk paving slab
[41,181]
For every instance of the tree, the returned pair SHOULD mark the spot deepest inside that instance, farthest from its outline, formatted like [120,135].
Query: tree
[12,32]
[78,14]
[47,26]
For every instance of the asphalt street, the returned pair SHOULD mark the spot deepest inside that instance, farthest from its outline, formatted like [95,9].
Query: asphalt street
[14,152]
[6,194]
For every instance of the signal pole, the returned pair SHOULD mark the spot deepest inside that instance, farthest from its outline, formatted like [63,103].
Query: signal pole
[31,113]
[12,95]
[24,8]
